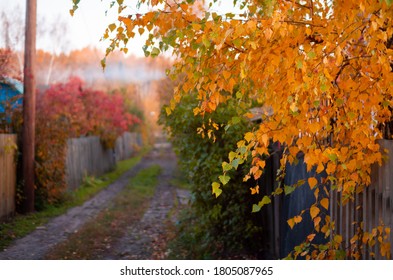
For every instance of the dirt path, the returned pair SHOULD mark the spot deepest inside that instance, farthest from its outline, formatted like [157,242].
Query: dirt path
[139,240]
[136,244]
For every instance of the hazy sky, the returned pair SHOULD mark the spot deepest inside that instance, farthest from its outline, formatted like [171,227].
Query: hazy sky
[85,28]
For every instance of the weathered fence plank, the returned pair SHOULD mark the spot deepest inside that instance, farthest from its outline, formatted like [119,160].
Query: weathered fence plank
[7,174]
[87,157]
[125,145]
[373,207]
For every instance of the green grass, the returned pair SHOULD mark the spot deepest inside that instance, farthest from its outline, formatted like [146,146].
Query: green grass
[96,237]
[92,185]
[22,225]
[180,180]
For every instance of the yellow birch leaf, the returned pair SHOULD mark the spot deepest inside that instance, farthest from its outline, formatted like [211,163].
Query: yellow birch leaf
[261,164]
[212,105]
[268,33]
[325,203]
[255,190]
[291,223]
[310,237]
[314,127]
[293,107]
[314,211]
[249,136]
[196,26]
[385,249]
[168,111]
[312,182]
[320,168]
[216,189]
[339,57]
[338,239]
[317,220]
[226,74]
[297,219]
[265,140]
[316,193]
[331,168]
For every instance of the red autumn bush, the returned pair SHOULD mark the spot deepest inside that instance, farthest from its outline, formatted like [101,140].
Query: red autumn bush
[69,110]
[84,111]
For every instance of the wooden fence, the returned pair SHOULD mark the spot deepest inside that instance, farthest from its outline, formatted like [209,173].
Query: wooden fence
[373,207]
[7,174]
[87,157]
[126,145]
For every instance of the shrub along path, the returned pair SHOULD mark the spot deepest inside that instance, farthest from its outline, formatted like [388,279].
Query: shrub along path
[140,238]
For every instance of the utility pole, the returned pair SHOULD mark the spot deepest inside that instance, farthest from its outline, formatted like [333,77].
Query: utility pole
[29,98]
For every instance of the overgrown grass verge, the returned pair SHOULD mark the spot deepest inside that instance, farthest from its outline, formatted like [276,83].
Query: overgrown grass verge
[21,225]
[97,236]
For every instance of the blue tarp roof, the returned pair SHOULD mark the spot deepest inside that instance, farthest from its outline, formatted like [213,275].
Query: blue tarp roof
[10,88]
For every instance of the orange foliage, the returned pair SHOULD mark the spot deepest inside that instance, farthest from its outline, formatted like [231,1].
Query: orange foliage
[323,68]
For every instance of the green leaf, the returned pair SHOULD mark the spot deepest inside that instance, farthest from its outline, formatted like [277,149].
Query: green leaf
[299,64]
[340,254]
[265,200]
[206,42]
[155,52]
[235,163]
[278,191]
[145,50]
[235,120]
[311,54]
[224,179]
[232,155]
[216,189]
[351,115]
[389,2]
[333,157]
[243,150]
[289,189]
[112,27]
[339,101]
[323,87]
[103,63]
[255,208]
[226,166]
[237,42]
